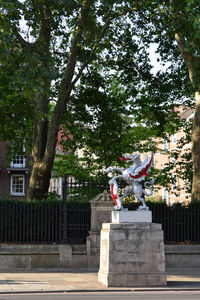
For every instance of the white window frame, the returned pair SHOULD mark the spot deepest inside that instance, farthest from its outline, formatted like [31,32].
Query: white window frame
[56,185]
[11,185]
[17,157]
[184,184]
[174,138]
[164,195]
[165,144]
[58,150]
[18,165]
[174,161]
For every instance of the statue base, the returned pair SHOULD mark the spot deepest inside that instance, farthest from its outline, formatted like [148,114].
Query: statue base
[132,255]
[122,216]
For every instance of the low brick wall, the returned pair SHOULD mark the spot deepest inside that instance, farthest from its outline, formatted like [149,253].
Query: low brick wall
[30,257]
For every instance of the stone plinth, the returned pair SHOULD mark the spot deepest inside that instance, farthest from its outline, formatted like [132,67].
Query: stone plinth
[101,208]
[123,216]
[132,255]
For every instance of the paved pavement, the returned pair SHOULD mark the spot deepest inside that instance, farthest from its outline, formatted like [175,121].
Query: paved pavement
[42,281]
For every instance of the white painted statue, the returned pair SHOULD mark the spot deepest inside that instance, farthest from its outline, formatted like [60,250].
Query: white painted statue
[134,176]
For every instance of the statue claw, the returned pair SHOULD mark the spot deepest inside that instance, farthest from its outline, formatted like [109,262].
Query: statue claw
[140,208]
[124,209]
[111,182]
[117,207]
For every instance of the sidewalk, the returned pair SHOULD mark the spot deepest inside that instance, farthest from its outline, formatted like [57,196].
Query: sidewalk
[58,281]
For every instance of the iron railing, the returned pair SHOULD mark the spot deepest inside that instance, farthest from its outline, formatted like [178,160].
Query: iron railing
[68,221]
[180,224]
[44,223]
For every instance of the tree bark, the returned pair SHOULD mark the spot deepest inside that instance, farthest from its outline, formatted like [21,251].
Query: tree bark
[41,167]
[196,150]
[39,180]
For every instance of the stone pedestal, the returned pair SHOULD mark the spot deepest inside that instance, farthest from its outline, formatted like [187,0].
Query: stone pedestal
[132,255]
[131,216]
[101,208]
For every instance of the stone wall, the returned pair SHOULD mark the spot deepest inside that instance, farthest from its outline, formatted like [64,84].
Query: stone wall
[31,257]
[182,256]
[74,257]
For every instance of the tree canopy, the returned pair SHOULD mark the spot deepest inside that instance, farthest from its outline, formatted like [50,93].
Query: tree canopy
[88,55]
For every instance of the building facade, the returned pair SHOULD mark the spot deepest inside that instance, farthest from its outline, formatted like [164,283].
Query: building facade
[164,157]
[14,174]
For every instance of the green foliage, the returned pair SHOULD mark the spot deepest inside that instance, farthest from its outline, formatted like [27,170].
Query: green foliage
[16,109]
[69,164]
[50,198]
[105,121]
[118,105]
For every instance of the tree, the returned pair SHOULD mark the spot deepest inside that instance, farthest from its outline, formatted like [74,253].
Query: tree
[105,123]
[57,45]
[186,25]
[61,39]
[177,23]
[16,111]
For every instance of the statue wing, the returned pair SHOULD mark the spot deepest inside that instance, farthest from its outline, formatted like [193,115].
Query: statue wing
[141,172]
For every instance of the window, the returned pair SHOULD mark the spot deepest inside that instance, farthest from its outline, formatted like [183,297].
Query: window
[17,185]
[174,161]
[153,160]
[18,161]
[58,150]
[165,195]
[174,138]
[185,137]
[165,144]
[56,185]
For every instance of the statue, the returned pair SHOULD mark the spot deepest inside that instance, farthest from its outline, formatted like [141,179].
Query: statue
[134,176]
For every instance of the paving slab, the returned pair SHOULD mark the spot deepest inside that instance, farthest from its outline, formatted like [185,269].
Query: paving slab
[40,281]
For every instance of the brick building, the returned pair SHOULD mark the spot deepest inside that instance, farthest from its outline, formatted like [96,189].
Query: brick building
[163,157]
[14,175]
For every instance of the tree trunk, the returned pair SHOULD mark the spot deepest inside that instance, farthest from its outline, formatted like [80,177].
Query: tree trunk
[39,180]
[46,130]
[43,151]
[192,64]
[196,150]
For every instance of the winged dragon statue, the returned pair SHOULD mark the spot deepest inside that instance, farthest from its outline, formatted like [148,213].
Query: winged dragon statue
[134,176]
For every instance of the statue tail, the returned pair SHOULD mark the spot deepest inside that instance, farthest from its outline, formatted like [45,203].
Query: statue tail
[148,188]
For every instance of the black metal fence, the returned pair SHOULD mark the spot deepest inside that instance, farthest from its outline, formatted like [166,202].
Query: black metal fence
[44,223]
[68,221]
[180,224]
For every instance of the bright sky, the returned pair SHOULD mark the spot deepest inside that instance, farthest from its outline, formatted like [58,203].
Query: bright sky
[153,58]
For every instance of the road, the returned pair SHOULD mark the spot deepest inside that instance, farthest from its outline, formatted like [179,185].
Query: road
[164,295]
